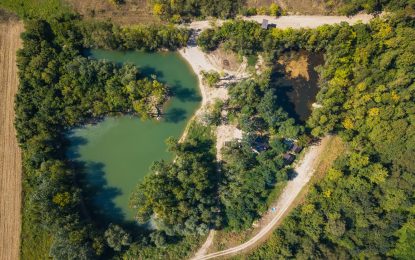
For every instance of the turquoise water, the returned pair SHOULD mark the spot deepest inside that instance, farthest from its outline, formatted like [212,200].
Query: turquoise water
[118,151]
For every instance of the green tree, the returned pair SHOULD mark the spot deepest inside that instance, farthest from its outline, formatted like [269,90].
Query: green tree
[117,237]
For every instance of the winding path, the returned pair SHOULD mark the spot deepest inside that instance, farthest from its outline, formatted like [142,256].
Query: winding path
[304,170]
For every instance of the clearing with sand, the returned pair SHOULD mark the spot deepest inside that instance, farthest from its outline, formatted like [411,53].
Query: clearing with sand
[10,157]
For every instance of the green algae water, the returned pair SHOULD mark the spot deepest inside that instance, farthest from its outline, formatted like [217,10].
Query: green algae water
[118,152]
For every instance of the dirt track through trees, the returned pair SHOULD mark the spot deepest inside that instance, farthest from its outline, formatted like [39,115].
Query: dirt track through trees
[10,157]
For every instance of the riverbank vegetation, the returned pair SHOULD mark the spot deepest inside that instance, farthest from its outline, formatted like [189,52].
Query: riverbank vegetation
[61,89]
[106,35]
[182,196]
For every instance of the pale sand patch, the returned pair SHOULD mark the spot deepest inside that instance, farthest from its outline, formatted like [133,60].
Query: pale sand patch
[200,61]
[226,133]
[309,21]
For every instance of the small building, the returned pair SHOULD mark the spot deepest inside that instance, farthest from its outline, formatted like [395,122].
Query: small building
[260,145]
[289,143]
[296,148]
[288,158]
[264,24]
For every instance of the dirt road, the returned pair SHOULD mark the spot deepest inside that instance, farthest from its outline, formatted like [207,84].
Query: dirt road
[304,169]
[309,21]
[10,158]
[290,21]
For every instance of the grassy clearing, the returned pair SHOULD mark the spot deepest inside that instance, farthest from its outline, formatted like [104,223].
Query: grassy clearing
[35,8]
[312,7]
[36,241]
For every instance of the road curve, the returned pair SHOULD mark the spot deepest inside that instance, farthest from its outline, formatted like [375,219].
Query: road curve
[304,170]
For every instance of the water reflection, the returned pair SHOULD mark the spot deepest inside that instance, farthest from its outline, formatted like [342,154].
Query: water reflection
[297,94]
[98,196]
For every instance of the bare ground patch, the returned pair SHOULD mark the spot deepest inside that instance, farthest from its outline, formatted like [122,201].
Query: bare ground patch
[225,60]
[10,156]
[130,12]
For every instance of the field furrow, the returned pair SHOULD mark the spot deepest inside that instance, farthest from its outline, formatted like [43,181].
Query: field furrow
[10,157]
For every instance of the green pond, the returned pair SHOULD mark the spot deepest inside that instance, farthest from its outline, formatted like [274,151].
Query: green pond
[118,151]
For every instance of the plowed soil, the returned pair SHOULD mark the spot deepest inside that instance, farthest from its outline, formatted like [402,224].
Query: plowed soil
[10,157]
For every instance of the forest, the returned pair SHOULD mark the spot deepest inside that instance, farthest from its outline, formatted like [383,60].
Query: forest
[61,89]
[364,207]
[183,194]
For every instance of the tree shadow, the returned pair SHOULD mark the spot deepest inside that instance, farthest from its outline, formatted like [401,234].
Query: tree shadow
[291,174]
[175,115]
[283,89]
[97,196]
[149,71]
[184,94]
[75,142]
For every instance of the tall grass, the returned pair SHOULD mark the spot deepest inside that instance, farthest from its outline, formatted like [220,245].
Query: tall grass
[35,8]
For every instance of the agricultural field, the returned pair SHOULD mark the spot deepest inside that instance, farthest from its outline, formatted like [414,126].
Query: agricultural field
[10,157]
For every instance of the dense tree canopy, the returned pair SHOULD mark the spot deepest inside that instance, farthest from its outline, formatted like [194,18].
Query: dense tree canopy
[107,35]
[351,7]
[364,208]
[60,89]
[185,9]
[182,194]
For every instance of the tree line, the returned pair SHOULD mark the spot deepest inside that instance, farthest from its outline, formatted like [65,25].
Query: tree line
[177,11]
[106,35]
[351,7]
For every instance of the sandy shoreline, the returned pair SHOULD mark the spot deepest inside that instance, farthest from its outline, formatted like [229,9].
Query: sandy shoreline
[199,61]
